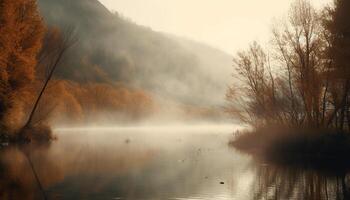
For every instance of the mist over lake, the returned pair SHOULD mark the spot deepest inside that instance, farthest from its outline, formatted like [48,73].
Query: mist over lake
[174,99]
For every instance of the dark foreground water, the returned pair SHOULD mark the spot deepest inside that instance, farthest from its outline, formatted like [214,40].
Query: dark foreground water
[176,163]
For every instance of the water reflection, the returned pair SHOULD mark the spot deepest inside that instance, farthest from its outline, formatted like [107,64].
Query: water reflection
[122,165]
[296,182]
[17,178]
[60,163]
[156,165]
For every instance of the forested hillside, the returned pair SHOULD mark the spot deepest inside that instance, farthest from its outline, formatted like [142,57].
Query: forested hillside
[114,50]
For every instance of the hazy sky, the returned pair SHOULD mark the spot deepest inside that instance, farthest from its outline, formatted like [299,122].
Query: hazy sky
[226,24]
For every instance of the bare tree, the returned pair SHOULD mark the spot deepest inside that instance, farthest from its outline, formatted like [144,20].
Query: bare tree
[298,46]
[301,89]
[257,101]
[55,46]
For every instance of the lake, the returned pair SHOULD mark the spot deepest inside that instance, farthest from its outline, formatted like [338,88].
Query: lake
[155,162]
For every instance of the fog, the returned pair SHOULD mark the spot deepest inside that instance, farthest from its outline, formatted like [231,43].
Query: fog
[154,61]
[130,71]
[135,99]
[133,164]
[157,64]
[177,127]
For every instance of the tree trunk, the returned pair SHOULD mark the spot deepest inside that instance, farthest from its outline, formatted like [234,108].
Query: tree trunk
[342,104]
[31,115]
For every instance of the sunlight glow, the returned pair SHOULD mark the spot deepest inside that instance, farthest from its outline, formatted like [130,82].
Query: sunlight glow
[226,24]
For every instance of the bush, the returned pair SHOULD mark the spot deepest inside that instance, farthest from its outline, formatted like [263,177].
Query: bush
[38,133]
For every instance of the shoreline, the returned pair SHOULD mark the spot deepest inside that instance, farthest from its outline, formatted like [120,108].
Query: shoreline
[315,149]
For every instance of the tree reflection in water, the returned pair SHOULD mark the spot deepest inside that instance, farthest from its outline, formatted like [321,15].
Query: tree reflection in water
[283,182]
[17,178]
[53,165]
[105,166]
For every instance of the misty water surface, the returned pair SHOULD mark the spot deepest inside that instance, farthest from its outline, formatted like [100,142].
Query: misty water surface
[175,162]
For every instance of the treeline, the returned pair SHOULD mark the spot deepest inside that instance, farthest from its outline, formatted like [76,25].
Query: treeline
[302,78]
[30,96]
[71,103]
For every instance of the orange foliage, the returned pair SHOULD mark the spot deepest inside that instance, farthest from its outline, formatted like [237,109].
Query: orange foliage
[21,33]
[67,101]
[23,57]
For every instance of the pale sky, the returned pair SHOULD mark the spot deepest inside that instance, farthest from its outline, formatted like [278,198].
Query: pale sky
[225,24]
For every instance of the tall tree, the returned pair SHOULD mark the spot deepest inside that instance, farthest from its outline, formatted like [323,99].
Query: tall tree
[338,25]
[299,46]
[21,34]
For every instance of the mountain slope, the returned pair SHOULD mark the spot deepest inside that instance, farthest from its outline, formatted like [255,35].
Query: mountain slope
[112,49]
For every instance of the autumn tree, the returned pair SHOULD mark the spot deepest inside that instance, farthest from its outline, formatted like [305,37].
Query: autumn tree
[299,50]
[21,33]
[297,92]
[257,100]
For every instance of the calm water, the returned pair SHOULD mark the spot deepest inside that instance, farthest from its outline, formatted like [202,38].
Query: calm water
[176,163]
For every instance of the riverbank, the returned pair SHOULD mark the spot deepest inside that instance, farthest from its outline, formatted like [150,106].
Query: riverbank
[296,147]
[37,134]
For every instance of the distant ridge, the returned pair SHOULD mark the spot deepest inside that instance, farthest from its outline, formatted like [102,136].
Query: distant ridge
[114,50]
